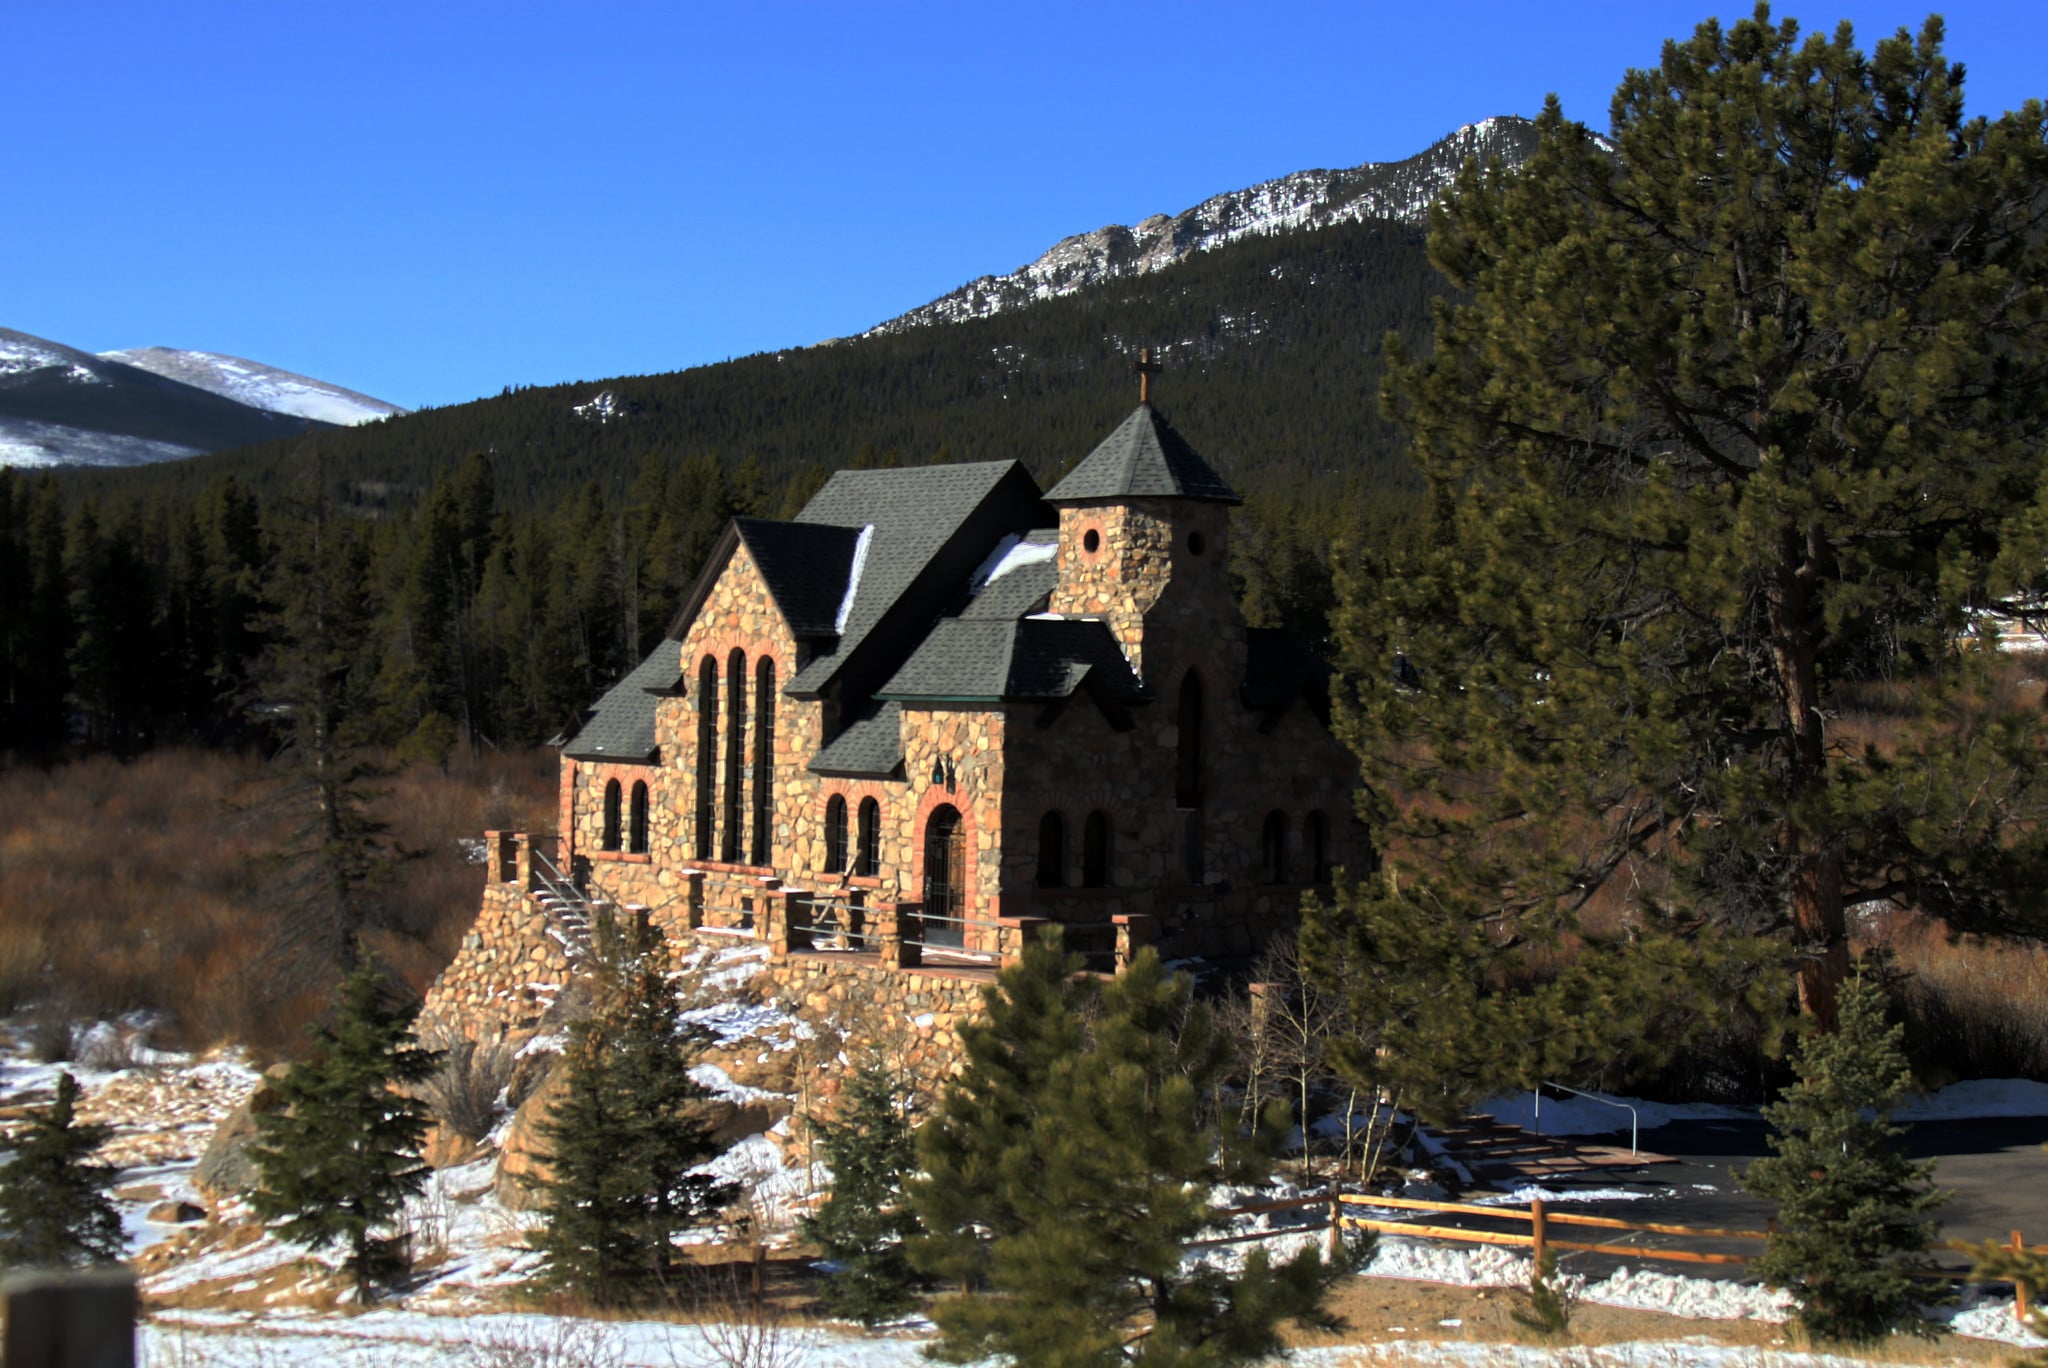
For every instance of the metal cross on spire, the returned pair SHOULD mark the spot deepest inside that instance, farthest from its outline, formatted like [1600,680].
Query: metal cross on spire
[1146,369]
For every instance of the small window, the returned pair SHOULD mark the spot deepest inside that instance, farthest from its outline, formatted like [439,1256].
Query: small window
[835,835]
[1273,847]
[1316,830]
[609,840]
[1052,851]
[636,821]
[1095,853]
[1196,544]
[868,857]
[1091,541]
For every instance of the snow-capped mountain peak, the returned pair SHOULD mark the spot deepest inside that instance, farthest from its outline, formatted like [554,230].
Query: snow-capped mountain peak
[1401,191]
[257,385]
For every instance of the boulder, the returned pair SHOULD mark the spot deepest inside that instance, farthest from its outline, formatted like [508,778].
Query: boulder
[520,1154]
[176,1213]
[225,1170]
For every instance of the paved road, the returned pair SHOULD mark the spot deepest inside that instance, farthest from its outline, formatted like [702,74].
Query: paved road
[1996,1170]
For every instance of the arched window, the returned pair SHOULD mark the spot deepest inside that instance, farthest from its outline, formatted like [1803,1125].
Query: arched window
[1315,829]
[636,821]
[867,855]
[707,753]
[1187,773]
[729,845]
[609,838]
[1273,847]
[1052,851]
[835,835]
[764,759]
[1095,851]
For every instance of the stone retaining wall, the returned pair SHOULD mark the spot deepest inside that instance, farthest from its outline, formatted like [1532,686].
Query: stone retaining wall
[506,974]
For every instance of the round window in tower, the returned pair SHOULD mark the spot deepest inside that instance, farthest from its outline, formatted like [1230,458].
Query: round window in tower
[1091,541]
[1196,544]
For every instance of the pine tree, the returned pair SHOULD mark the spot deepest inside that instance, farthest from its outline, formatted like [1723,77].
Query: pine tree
[627,1138]
[1070,1167]
[1742,409]
[317,676]
[864,1226]
[2021,1266]
[54,1208]
[341,1153]
[1852,1212]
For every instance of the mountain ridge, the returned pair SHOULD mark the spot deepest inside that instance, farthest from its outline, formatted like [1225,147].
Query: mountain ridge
[60,405]
[1398,191]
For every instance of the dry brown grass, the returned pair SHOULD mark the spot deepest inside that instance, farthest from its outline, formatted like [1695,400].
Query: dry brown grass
[151,885]
[1973,1007]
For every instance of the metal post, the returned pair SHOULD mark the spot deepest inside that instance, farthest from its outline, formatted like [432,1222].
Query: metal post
[70,1320]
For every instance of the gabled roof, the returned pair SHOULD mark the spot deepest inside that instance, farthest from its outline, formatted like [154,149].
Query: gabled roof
[1020,580]
[1145,458]
[870,748]
[621,726]
[931,526]
[992,661]
[806,566]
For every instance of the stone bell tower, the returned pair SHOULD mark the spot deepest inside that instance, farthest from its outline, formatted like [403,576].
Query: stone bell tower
[1144,546]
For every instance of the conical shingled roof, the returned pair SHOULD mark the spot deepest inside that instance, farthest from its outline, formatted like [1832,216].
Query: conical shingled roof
[1145,458]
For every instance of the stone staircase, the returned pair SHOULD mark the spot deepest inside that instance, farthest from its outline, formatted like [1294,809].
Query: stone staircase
[572,914]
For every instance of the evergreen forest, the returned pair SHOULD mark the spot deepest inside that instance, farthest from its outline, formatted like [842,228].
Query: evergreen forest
[513,556]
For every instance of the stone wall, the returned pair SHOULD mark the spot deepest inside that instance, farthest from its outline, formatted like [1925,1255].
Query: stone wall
[507,972]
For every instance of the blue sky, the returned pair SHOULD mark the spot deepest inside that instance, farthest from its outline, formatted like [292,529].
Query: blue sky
[430,201]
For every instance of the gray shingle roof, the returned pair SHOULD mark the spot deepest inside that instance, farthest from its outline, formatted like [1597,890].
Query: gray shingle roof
[805,566]
[917,513]
[1144,457]
[1024,587]
[989,661]
[871,748]
[621,726]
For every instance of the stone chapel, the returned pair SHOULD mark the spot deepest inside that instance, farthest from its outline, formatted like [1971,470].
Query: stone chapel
[937,709]
[944,694]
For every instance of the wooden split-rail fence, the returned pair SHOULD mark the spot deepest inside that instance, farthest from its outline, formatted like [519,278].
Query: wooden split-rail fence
[1347,1211]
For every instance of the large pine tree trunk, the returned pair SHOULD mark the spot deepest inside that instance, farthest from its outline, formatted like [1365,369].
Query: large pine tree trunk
[1816,890]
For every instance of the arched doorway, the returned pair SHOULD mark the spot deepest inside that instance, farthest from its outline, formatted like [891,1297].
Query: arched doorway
[945,878]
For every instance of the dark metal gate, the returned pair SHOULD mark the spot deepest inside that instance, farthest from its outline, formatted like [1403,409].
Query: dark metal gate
[945,880]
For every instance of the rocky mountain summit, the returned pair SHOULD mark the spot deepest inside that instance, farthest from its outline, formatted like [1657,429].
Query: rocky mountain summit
[1401,191]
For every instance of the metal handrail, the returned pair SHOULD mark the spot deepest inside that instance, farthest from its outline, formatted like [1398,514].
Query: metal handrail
[1633,1119]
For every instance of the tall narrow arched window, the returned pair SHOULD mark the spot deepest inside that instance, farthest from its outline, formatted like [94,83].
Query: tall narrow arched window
[729,844]
[1187,772]
[835,835]
[764,759]
[608,839]
[867,856]
[1315,830]
[707,754]
[1052,851]
[1095,852]
[636,820]
[1273,847]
